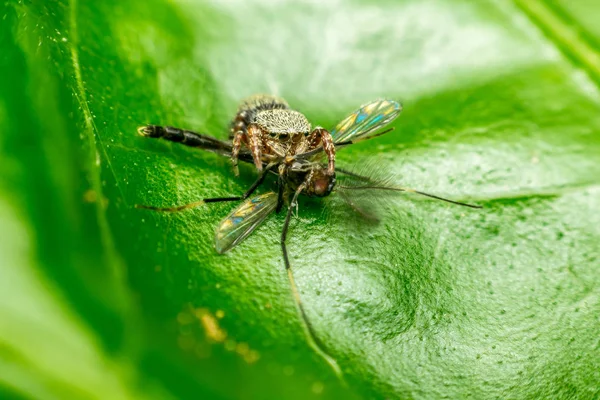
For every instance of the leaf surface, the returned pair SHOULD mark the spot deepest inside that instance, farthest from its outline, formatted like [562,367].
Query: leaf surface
[500,106]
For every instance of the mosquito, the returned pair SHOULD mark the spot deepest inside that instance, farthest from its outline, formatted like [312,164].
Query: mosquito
[279,141]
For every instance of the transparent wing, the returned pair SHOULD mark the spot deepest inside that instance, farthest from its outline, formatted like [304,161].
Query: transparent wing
[365,121]
[369,186]
[243,220]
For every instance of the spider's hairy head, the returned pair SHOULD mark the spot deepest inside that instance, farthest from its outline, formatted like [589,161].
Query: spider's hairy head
[284,123]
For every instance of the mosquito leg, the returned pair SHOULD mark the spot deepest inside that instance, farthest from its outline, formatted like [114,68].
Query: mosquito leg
[280,188]
[313,340]
[396,188]
[407,190]
[286,224]
[172,209]
[194,204]
[248,192]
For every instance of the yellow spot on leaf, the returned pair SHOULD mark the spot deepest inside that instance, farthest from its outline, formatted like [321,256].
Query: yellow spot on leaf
[194,320]
[211,326]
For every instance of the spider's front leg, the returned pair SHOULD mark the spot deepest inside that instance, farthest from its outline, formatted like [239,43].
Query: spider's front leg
[320,136]
[254,133]
[238,138]
[252,137]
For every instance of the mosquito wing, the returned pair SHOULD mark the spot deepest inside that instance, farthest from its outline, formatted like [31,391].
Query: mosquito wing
[365,121]
[243,220]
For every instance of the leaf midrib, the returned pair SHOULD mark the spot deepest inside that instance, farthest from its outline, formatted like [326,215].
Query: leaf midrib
[566,34]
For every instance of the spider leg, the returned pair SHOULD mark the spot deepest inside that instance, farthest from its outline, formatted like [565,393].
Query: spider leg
[238,137]
[254,135]
[318,137]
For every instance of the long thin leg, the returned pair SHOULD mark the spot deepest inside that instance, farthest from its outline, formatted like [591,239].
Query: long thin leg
[248,192]
[313,340]
[194,204]
[286,225]
[280,190]
[376,186]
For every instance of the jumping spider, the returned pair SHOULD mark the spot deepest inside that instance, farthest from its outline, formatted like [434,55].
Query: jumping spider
[272,131]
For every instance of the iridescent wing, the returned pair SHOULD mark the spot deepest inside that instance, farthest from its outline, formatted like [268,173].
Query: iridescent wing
[243,220]
[365,121]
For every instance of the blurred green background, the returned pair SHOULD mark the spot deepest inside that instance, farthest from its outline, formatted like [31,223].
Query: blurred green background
[501,106]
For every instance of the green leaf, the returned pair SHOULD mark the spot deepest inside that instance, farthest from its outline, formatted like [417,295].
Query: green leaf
[501,107]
